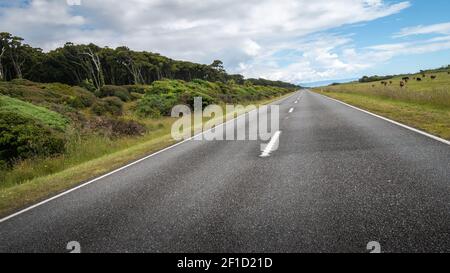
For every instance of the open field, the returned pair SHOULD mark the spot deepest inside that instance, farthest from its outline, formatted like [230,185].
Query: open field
[421,104]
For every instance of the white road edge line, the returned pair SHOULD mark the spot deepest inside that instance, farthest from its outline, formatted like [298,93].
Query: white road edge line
[272,143]
[391,121]
[124,167]
[291,110]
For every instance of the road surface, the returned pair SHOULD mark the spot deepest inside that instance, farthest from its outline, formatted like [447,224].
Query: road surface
[339,179]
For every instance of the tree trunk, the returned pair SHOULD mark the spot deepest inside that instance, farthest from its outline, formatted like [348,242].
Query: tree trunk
[95,68]
[2,75]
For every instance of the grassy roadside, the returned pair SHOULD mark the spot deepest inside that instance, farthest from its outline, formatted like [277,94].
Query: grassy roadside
[16,196]
[434,119]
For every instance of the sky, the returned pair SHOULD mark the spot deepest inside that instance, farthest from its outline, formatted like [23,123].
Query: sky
[298,41]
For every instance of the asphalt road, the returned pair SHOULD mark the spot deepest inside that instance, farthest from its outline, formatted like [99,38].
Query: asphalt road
[340,179]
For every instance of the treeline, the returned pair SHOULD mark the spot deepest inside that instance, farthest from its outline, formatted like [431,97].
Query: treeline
[436,70]
[375,78]
[264,82]
[91,65]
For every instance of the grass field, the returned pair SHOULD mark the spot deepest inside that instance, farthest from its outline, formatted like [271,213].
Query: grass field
[421,104]
[42,114]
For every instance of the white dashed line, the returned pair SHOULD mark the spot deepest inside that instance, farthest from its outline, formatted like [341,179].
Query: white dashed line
[291,110]
[273,141]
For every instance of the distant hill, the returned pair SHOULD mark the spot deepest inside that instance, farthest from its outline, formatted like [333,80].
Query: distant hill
[376,78]
[327,82]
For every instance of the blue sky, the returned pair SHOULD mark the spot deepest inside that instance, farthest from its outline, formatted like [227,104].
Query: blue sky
[384,30]
[291,40]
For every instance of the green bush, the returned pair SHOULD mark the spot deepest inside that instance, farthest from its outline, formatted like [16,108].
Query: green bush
[88,85]
[168,87]
[75,102]
[24,137]
[3,166]
[189,97]
[81,101]
[114,91]
[136,96]
[87,98]
[141,89]
[23,82]
[152,105]
[108,105]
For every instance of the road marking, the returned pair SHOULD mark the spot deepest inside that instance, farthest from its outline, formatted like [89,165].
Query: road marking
[291,110]
[126,166]
[271,144]
[391,121]
[296,102]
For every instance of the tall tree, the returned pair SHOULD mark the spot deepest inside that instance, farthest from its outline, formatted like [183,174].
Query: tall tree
[91,62]
[18,54]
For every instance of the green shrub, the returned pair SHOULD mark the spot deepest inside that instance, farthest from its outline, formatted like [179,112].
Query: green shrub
[136,96]
[168,87]
[114,91]
[81,101]
[141,89]
[24,137]
[75,102]
[23,82]
[3,166]
[152,105]
[88,85]
[87,98]
[108,105]
[189,97]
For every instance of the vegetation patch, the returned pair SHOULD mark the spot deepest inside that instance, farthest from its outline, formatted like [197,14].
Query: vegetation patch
[28,110]
[23,137]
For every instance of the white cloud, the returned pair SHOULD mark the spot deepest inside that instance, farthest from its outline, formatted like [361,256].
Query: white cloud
[251,47]
[332,57]
[411,48]
[246,35]
[443,28]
